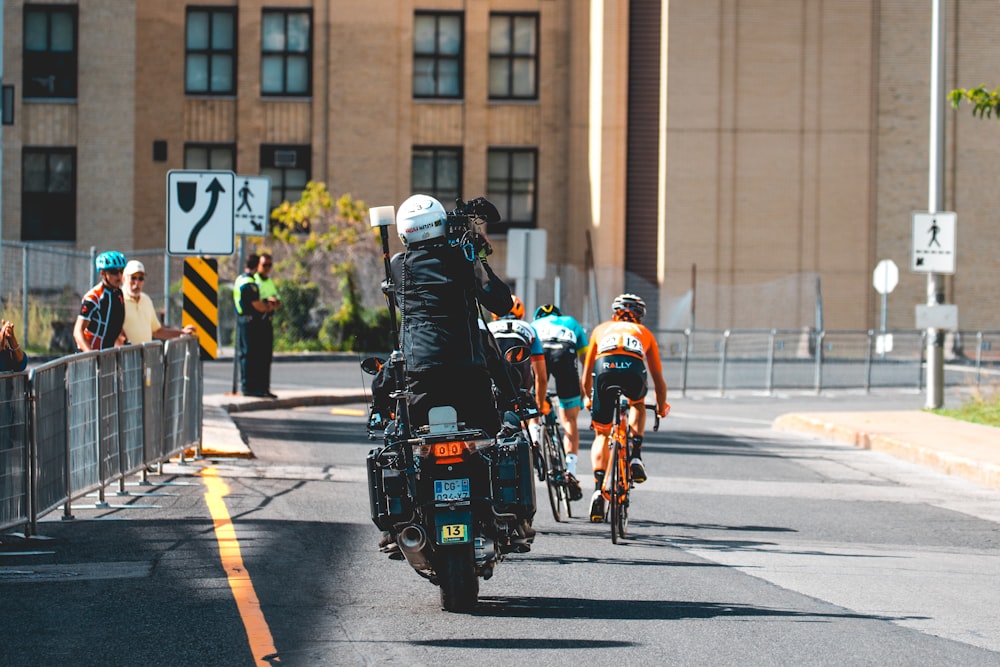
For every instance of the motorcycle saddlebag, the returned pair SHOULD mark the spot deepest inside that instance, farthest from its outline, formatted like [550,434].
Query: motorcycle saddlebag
[514,484]
[387,494]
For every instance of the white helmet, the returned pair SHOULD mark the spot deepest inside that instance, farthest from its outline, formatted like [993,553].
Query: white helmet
[420,218]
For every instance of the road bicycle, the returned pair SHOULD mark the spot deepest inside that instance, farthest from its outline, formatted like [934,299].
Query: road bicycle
[548,455]
[618,482]
[557,477]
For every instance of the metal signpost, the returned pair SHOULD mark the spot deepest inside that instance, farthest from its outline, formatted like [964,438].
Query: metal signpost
[526,254]
[885,277]
[935,196]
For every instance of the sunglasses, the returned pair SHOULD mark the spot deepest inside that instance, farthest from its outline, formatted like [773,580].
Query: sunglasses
[266,266]
[113,272]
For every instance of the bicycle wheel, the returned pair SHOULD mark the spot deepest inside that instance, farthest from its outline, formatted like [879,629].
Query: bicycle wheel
[614,491]
[556,435]
[555,480]
[625,479]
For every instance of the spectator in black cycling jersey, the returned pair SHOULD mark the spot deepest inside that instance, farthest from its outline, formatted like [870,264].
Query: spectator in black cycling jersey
[102,311]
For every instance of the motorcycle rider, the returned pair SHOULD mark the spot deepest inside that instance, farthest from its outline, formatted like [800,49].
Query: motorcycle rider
[438,290]
[439,282]
[564,340]
[615,357]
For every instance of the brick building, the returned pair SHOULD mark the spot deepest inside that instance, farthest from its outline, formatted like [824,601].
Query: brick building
[731,153]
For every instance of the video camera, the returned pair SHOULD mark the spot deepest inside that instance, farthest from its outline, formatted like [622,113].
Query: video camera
[460,222]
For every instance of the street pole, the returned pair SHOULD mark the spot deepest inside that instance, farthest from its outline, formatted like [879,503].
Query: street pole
[935,195]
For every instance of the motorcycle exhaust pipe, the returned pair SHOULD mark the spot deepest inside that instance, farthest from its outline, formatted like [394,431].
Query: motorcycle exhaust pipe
[412,541]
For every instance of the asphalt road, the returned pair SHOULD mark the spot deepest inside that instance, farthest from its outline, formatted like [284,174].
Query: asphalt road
[747,546]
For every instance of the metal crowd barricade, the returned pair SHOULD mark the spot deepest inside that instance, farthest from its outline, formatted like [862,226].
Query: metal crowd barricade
[14,458]
[807,359]
[90,419]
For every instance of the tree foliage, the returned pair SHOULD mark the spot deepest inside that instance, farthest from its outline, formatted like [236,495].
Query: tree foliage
[327,260]
[985,102]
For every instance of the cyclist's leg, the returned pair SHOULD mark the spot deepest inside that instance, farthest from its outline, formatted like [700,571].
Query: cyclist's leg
[637,425]
[566,377]
[571,434]
[636,392]
[601,412]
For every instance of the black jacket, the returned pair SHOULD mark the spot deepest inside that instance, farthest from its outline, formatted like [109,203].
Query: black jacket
[437,290]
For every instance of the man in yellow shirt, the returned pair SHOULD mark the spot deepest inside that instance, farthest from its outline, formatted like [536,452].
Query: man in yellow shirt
[141,322]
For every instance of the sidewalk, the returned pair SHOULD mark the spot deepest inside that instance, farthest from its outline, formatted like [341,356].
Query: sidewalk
[952,446]
[955,447]
[220,437]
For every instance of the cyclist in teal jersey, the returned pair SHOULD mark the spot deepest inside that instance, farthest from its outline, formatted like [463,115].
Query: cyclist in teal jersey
[563,341]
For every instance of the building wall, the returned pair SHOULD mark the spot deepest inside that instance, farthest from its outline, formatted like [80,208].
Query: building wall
[971,149]
[769,169]
[794,145]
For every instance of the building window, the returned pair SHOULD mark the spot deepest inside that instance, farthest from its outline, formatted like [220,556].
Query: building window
[514,56]
[48,194]
[289,168]
[437,171]
[511,183]
[286,53]
[50,53]
[210,156]
[210,57]
[437,55]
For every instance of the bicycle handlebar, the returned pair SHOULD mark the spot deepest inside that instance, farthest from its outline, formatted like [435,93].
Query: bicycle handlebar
[656,421]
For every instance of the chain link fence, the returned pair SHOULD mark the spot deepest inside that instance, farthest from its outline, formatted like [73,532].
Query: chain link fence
[41,287]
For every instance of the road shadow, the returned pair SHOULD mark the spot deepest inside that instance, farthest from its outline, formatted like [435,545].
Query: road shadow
[667,610]
[528,643]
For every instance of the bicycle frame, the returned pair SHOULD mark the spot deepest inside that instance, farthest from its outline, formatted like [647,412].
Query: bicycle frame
[618,475]
[618,482]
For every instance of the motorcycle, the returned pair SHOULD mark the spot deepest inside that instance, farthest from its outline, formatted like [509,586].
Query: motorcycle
[452,501]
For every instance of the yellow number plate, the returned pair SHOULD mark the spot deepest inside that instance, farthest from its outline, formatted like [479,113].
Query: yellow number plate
[456,532]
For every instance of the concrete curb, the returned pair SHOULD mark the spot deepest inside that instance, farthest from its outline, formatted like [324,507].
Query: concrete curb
[220,436]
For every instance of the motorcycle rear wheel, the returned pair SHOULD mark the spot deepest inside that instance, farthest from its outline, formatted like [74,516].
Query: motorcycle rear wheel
[457,577]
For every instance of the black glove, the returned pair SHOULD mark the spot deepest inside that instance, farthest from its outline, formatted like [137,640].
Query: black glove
[482,246]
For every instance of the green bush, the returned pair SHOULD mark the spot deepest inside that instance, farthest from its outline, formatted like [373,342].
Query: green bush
[364,330]
[291,321]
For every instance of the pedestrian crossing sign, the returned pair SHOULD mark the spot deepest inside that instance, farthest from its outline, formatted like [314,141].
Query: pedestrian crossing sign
[251,205]
[933,242]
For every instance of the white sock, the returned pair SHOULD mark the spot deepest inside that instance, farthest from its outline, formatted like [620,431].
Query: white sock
[536,432]
[571,464]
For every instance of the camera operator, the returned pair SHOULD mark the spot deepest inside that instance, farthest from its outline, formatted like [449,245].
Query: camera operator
[440,280]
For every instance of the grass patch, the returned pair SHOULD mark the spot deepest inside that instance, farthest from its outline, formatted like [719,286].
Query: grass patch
[981,408]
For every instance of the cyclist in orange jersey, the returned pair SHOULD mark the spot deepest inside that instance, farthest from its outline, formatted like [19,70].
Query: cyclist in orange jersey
[620,352]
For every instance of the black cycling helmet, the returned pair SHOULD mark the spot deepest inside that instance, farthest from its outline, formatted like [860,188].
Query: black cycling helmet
[629,306]
[546,310]
[111,259]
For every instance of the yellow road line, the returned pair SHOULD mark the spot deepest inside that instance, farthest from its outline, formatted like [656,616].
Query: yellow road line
[258,632]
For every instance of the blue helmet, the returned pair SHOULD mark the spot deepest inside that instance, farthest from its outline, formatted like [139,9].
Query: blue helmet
[111,259]
[546,310]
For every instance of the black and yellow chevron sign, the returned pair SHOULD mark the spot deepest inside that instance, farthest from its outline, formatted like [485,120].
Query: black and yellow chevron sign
[201,302]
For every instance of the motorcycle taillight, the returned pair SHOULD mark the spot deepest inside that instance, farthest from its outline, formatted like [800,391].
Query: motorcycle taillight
[448,451]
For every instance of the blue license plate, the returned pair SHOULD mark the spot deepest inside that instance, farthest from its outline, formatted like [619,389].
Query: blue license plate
[451,489]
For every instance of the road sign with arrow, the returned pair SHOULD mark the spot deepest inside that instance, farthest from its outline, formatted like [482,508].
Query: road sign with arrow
[200,212]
